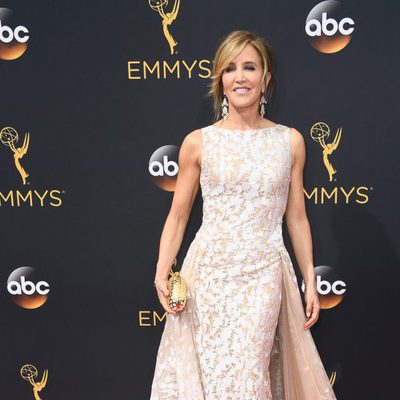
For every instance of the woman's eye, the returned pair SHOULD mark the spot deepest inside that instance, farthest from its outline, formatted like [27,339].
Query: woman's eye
[248,67]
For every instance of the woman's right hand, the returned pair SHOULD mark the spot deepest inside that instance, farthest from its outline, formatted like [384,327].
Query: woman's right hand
[163,294]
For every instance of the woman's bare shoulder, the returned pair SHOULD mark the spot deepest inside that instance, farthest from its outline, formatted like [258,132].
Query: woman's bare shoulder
[298,145]
[296,137]
[193,139]
[191,145]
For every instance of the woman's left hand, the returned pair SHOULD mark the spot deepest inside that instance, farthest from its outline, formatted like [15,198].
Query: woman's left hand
[312,307]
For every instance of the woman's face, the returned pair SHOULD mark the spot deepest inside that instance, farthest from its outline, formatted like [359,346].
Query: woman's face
[242,79]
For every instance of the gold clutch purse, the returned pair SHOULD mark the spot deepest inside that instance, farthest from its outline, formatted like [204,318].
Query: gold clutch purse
[177,290]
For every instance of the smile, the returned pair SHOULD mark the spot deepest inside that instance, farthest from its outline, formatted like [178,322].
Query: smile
[241,90]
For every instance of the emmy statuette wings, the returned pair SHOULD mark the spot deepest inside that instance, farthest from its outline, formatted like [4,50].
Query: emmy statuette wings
[177,290]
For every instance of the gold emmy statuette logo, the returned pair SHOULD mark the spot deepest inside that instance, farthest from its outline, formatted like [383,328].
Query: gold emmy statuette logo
[29,373]
[319,132]
[9,136]
[167,18]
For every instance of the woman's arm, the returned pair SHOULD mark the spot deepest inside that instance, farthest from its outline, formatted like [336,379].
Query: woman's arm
[187,186]
[299,227]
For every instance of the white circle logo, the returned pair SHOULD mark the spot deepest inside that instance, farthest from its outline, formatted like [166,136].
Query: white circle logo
[163,167]
[13,36]
[330,287]
[327,28]
[26,290]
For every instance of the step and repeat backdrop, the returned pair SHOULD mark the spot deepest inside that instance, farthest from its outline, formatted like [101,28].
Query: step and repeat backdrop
[96,98]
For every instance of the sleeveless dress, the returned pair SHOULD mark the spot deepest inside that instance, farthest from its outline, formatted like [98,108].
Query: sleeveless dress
[241,335]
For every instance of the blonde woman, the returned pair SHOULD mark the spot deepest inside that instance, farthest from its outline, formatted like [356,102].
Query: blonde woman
[243,334]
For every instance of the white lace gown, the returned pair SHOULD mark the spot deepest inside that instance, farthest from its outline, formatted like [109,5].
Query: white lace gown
[241,335]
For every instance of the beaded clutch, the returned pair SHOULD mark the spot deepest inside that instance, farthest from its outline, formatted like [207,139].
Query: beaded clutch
[178,290]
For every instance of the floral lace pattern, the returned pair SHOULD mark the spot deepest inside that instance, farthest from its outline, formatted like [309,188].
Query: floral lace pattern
[241,284]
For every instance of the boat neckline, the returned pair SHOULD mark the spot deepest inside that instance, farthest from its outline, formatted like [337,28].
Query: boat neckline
[246,130]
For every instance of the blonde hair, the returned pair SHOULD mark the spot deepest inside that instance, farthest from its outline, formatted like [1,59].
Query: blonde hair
[228,49]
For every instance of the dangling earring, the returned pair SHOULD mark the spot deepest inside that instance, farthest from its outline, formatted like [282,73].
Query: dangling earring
[263,103]
[225,108]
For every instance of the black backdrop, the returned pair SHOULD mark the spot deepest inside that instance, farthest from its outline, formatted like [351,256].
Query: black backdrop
[92,133]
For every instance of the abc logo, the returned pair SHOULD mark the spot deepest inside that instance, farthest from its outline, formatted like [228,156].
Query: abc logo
[163,167]
[329,31]
[26,290]
[330,287]
[13,37]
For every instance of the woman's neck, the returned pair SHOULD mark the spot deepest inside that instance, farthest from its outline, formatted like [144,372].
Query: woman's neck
[243,119]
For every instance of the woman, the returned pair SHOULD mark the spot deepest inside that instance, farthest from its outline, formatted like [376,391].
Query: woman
[243,334]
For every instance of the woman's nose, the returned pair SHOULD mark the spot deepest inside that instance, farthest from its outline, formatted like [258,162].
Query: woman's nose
[239,75]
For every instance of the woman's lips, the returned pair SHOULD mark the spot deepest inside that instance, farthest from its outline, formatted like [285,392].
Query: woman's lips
[241,90]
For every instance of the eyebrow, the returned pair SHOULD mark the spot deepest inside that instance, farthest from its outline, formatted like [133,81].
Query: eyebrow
[245,62]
